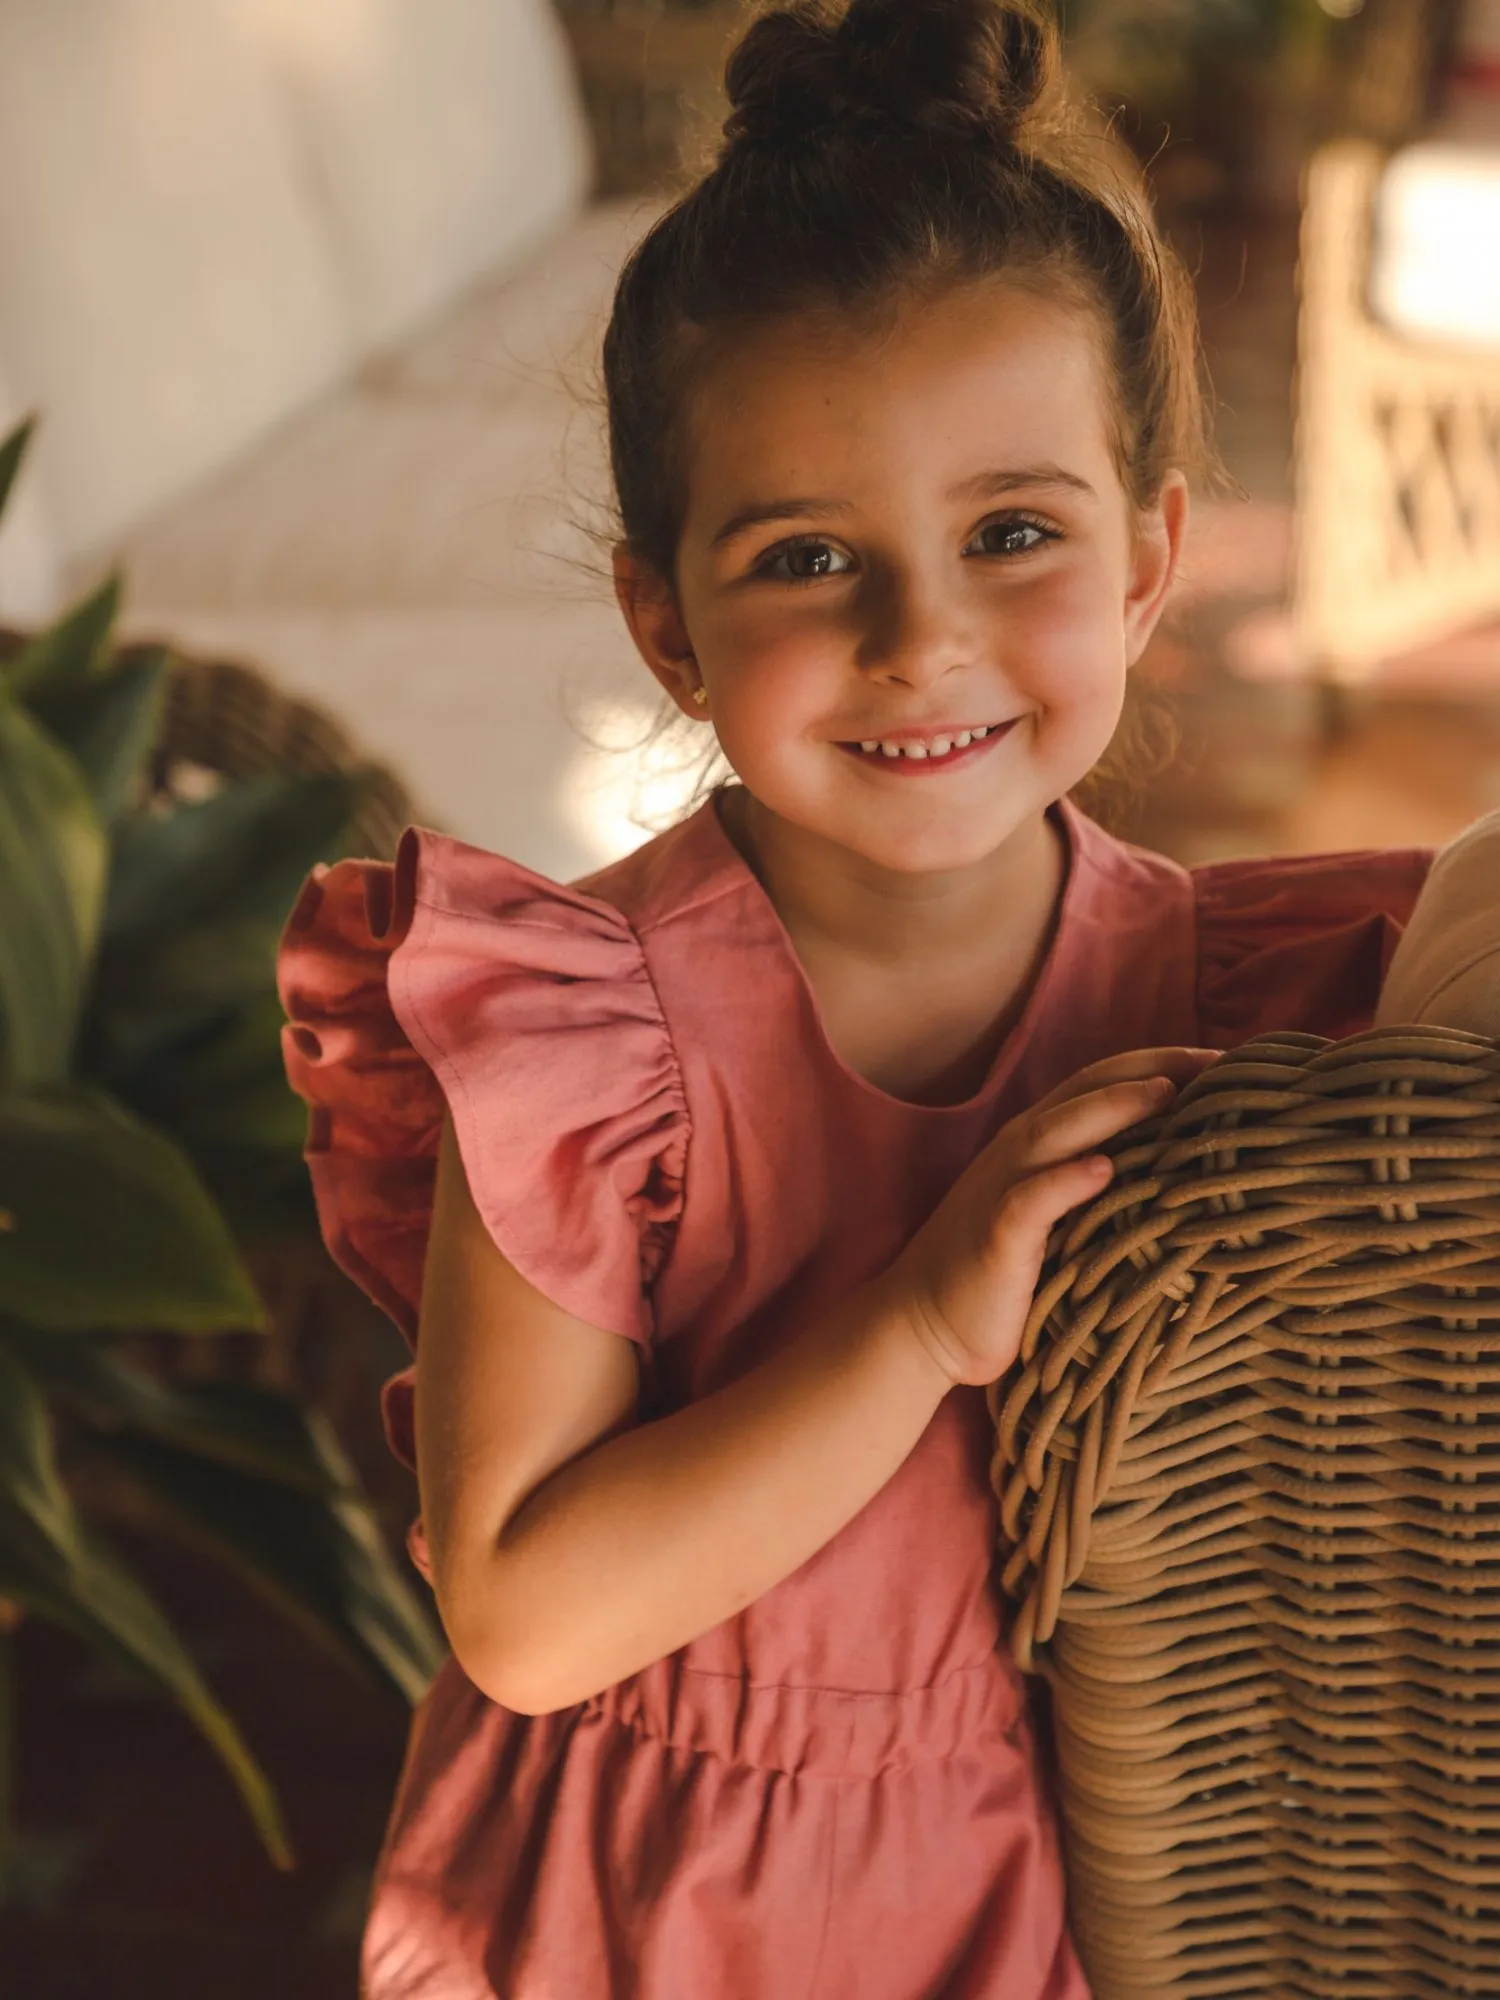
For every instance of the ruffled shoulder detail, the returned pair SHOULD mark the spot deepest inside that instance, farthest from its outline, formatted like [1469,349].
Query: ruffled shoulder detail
[1300,941]
[454,978]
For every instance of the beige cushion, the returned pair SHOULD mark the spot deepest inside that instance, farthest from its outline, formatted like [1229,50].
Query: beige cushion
[460,469]
[1446,969]
[444,138]
[377,500]
[536,327]
[390,554]
[30,573]
[166,293]
[484,711]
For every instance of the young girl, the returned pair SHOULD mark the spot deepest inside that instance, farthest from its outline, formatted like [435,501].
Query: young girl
[720,1181]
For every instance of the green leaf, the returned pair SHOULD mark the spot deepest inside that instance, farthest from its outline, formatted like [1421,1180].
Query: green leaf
[107,1224]
[12,457]
[109,723]
[319,1558]
[238,858]
[224,1086]
[239,1424]
[53,858]
[192,973]
[37,1523]
[54,1566]
[69,652]
[266,1196]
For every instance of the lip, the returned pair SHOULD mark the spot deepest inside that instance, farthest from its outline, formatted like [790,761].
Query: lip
[923,767]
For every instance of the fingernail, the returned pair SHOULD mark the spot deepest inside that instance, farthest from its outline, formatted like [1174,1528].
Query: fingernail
[1162,1086]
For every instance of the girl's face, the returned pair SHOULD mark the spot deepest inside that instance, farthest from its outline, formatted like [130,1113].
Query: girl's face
[916,543]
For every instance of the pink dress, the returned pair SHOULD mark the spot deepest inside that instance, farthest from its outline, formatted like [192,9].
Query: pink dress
[839,1792]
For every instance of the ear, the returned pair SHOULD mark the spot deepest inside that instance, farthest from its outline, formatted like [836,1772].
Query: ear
[661,638]
[1156,551]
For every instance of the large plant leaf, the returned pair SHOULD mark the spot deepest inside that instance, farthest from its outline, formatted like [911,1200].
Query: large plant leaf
[266,1196]
[12,454]
[225,1086]
[239,1424]
[52,869]
[319,1558]
[191,974]
[233,860]
[217,1084]
[109,722]
[107,1225]
[70,652]
[53,1565]
[39,1522]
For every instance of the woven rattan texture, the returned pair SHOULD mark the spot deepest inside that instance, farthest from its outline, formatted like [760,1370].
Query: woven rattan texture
[228,719]
[1249,1475]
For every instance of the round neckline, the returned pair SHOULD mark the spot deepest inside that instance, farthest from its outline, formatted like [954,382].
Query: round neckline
[1006,1056]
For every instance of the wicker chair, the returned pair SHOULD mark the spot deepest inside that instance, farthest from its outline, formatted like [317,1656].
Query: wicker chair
[227,719]
[1249,1475]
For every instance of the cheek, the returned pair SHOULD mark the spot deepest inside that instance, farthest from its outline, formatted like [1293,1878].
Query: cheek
[771,687]
[1069,646]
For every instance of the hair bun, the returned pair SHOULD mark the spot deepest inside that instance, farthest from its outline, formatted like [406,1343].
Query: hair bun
[961,67]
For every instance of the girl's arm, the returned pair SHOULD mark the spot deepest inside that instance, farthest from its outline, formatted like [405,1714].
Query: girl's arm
[571,1547]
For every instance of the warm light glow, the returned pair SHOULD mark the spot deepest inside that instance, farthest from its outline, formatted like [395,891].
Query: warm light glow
[331,36]
[1435,272]
[628,778]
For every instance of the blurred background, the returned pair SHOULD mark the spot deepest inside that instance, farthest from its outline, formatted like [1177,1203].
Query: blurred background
[303,498]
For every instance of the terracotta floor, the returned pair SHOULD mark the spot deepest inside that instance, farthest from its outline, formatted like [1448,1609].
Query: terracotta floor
[139,1877]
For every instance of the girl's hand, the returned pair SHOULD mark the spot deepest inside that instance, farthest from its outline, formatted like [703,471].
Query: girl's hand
[965,1281]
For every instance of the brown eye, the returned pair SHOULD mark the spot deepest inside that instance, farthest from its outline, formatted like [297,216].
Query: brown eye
[1017,537]
[812,556]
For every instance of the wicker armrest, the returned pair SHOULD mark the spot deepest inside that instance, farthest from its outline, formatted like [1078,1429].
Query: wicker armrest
[1249,1478]
[231,720]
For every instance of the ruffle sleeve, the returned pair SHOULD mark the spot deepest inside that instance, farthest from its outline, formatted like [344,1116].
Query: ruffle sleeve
[1300,941]
[453,978]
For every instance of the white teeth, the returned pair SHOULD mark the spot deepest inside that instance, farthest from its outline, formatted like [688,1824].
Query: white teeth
[937,746]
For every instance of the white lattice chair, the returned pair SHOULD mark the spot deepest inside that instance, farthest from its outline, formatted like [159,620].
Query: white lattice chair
[1398,402]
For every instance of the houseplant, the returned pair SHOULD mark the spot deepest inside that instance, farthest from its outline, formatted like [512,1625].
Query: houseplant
[146,1131]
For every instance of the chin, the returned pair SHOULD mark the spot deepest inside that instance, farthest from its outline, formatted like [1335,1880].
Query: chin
[932,849]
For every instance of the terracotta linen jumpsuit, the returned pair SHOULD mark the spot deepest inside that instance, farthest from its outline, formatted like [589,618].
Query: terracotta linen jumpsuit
[836,1793]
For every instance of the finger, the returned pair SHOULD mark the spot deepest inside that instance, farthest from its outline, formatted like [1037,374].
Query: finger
[1065,1130]
[1180,1064]
[1023,1222]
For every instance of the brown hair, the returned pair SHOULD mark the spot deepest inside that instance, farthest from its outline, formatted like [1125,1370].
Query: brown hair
[874,152]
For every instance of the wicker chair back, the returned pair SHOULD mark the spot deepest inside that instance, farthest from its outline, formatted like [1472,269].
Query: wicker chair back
[1249,1477]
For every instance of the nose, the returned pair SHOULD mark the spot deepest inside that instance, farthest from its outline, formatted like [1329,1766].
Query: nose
[920,631]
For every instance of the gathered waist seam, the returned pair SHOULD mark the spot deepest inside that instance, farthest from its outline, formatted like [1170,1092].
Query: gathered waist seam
[811,1730]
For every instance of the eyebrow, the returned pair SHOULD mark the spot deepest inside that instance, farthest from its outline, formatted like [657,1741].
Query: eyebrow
[983,486]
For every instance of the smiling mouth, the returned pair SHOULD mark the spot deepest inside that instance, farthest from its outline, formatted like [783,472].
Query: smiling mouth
[945,747]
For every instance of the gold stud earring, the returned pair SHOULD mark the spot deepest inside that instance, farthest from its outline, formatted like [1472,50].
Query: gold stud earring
[700,695]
